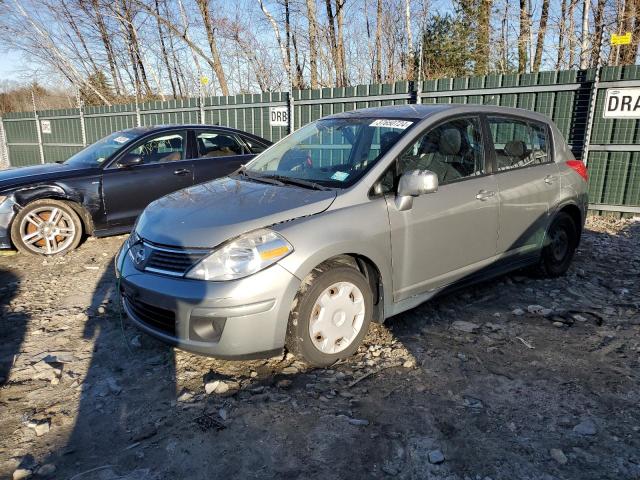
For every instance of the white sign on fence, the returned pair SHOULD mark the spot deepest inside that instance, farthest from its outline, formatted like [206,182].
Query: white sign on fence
[622,103]
[278,116]
[45,126]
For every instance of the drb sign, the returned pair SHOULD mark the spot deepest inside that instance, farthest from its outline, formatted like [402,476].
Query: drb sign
[622,103]
[279,116]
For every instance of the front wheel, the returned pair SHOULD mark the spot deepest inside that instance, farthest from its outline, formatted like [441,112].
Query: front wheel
[331,315]
[46,227]
[560,246]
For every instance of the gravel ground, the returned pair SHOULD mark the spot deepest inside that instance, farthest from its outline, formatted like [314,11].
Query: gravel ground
[514,378]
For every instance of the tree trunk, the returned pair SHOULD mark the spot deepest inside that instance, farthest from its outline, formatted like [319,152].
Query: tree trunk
[598,20]
[335,56]
[572,33]
[542,30]
[504,44]
[213,47]
[340,40]
[584,47]
[378,72]
[522,37]
[313,42]
[482,43]
[631,24]
[410,56]
[561,35]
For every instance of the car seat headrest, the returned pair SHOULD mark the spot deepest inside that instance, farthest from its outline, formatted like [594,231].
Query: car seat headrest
[450,141]
[515,148]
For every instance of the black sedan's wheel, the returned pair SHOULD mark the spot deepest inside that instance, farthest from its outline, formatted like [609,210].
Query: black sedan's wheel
[561,243]
[331,315]
[46,227]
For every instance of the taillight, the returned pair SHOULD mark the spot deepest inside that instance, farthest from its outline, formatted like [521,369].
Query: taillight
[579,167]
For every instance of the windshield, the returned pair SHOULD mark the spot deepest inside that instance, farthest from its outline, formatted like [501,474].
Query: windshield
[332,152]
[94,155]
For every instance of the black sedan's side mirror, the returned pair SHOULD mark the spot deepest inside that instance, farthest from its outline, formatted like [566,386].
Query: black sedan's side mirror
[130,161]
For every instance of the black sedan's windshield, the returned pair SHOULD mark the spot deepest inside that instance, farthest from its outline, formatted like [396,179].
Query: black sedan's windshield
[333,152]
[94,155]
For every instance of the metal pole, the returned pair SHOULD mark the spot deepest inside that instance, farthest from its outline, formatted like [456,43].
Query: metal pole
[37,118]
[592,103]
[4,150]
[203,120]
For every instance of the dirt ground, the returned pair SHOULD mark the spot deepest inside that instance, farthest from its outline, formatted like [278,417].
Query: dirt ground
[518,378]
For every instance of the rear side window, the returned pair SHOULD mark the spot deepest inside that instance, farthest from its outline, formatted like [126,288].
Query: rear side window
[519,143]
[215,144]
[254,145]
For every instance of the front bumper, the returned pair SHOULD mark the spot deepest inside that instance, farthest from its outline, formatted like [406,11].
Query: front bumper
[234,319]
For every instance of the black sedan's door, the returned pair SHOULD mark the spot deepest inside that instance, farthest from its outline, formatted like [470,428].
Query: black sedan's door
[157,166]
[218,153]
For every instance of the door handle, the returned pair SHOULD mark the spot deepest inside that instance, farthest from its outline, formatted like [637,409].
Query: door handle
[484,195]
[182,171]
[549,179]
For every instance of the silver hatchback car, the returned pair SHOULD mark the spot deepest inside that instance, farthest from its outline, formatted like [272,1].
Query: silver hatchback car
[352,219]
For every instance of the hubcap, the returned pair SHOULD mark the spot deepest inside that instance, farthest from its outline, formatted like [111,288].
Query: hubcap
[337,317]
[559,244]
[47,230]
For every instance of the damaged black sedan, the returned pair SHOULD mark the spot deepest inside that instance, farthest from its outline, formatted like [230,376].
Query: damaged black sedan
[101,190]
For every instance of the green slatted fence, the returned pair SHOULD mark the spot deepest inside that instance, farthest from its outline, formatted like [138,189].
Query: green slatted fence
[28,138]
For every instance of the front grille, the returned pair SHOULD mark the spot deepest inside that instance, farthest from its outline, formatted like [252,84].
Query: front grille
[156,317]
[172,261]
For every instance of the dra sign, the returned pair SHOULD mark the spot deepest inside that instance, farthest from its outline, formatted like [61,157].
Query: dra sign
[622,103]
[278,116]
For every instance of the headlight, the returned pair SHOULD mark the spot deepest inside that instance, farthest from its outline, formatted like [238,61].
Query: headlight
[242,257]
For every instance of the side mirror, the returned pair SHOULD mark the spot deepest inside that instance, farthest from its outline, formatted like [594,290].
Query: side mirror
[130,161]
[413,184]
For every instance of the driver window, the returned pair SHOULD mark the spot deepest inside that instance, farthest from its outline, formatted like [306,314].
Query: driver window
[169,147]
[452,150]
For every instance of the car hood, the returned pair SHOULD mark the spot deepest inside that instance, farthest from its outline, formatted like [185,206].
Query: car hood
[207,215]
[22,176]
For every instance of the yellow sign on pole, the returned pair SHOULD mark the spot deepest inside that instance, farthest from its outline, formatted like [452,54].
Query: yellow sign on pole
[204,81]
[621,39]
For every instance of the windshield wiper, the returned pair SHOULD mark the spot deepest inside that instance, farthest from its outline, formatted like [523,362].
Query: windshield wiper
[257,177]
[298,181]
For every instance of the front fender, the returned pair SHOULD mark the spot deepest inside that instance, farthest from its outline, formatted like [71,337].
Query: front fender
[361,230]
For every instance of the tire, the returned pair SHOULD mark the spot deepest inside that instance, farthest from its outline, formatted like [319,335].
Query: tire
[561,242]
[34,232]
[348,300]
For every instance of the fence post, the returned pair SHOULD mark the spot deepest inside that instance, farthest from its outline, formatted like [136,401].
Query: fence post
[592,103]
[83,128]
[37,118]
[4,150]
[291,106]
[138,120]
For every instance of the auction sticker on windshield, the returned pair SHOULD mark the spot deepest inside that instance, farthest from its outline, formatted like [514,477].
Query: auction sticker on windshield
[340,176]
[385,123]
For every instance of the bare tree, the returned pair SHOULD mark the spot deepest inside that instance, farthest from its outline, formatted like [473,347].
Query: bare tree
[203,5]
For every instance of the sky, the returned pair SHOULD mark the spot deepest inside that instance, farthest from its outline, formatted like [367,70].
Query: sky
[9,61]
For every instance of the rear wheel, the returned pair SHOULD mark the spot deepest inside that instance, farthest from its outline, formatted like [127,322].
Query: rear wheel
[561,244]
[46,227]
[331,315]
